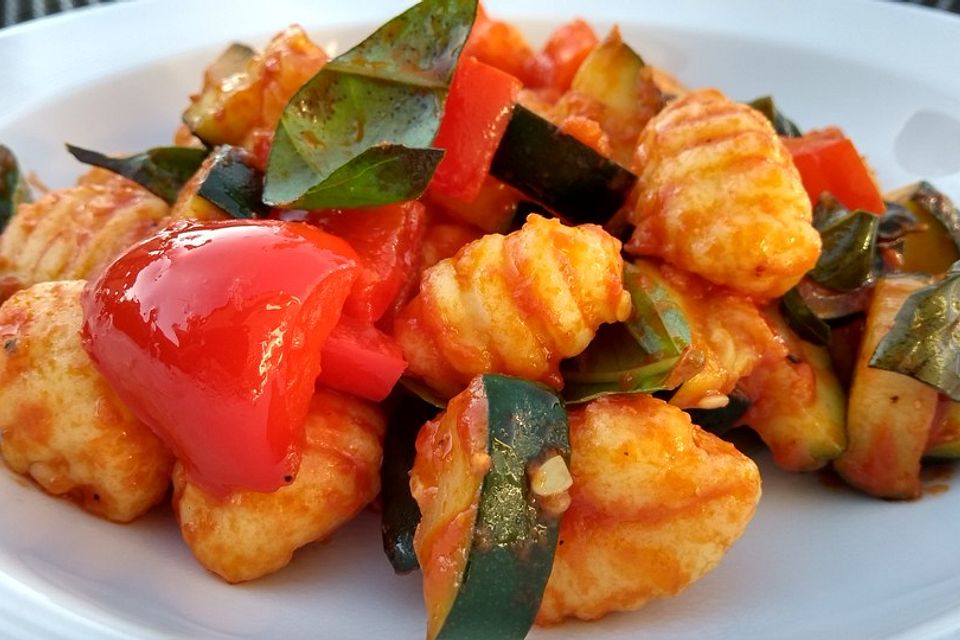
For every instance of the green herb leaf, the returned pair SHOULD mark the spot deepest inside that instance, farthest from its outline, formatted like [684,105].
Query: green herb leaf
[359,132]
[13,188]
[781,123]
[849,240]
[234,184]
[802,319]
[650,352]
[161,170]
[924,342]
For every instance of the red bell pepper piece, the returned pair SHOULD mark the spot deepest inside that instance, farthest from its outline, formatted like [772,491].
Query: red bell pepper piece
[828,161]
[358,358]
[211,334]
[478,109]
[387,240]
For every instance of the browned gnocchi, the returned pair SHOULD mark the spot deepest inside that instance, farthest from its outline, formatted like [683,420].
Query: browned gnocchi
[514,304]
[60,422]
[246,534]
[655,504]
[73,233]
[718,195]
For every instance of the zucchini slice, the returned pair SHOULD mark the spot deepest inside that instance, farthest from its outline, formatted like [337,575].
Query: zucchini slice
[944,439]
[721,420]
[204,117]
[491,478]
[234,184]
[400,515]
[610,74]
[889,415]
[558,170]
[934,248]
[798,403]
[13,188]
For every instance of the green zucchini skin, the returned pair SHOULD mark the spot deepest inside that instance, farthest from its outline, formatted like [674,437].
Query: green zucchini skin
[936,245]
[234,184]
[799,407]
[514,538]
[400,515]
[559,171]
[201,116]
[721,420]
[944,440]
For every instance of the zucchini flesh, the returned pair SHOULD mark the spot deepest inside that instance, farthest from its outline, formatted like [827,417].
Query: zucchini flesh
[936,245]
[610,74]
[889,415]
[798,404]
[204,116]
[486,539]
[558,170]
[944,439]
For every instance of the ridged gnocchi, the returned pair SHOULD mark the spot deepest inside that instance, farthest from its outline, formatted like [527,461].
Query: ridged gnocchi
[718,195]
[514,304]
[655,504]
[73,233]
[727,328]
[60,422]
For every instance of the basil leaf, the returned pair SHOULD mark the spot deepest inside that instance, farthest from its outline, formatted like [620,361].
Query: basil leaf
[849,240]
[924,342]
[658,324]
[13,188]
[802,319]
[233,184]
[783,125]
[650,352]
[359,132]
[161,170]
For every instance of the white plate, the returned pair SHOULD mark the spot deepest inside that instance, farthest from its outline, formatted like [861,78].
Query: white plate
[815,562]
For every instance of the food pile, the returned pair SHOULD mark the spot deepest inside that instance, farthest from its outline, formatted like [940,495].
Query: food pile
[511,298]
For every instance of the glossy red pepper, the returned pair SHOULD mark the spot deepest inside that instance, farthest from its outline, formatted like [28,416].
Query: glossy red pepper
[828,161]
[358,358]
[211,333]
[477,111]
